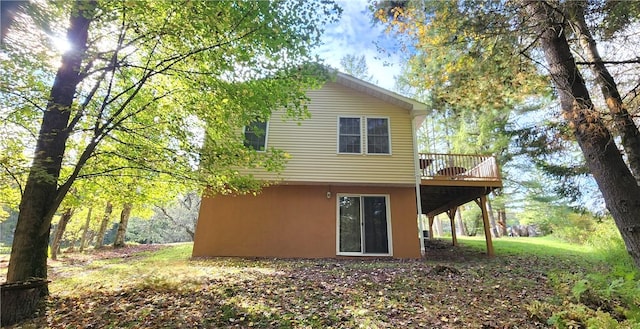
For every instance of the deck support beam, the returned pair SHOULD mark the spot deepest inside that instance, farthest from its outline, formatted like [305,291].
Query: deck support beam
[482,203]
[452,214]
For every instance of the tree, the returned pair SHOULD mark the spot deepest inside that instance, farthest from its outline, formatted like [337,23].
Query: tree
[476,84]
[514,34]
[85,230]
[622,121]
[152,78]
[104,222]
[184,214]
[38,205]
[357,67]
[59,232]
[122,225]
[173,221]
[619,188]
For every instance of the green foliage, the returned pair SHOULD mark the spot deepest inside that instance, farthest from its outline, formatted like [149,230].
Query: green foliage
[159,81]
[357,67]
[551,216]
[171,222]
[7,227]
[599,289]
[5,249]
[576,315]
[472,219]
[604,297]
[574,228]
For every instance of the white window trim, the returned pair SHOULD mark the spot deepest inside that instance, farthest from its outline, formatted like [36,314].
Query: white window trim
[364,136]
[266,136]
[366,142]
[338,134]
[389,233]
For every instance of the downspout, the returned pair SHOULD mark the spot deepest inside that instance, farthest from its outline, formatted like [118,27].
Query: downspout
[418,176]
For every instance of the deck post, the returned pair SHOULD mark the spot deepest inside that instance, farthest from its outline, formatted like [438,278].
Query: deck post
[482,202]
[452,213]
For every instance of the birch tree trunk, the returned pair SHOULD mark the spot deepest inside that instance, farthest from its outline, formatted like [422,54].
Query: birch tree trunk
[460,228]
[438,226]
[492,220]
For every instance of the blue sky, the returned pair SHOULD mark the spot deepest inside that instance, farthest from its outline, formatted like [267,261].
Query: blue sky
[355,34]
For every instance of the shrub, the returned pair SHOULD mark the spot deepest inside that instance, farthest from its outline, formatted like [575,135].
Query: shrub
[609,295]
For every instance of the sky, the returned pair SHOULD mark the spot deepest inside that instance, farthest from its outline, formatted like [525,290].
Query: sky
[355,34]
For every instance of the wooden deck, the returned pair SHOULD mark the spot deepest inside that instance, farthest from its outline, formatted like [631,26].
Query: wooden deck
[451,180]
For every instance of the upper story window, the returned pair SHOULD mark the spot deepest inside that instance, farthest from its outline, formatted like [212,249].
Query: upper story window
[376,135]
[349,135]
[255,135]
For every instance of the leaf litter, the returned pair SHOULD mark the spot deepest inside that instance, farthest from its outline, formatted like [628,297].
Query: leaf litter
[452,288]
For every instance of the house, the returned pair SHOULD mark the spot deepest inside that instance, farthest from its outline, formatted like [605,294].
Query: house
[353,185]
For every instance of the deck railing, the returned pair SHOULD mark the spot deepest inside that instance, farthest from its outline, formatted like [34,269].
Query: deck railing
[458,166]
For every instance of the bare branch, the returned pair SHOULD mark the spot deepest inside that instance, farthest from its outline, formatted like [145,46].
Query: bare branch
[627,61]
[84,105]
[13,176]
[633,93]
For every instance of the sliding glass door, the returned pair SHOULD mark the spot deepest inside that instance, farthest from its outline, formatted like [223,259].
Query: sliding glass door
[363,225]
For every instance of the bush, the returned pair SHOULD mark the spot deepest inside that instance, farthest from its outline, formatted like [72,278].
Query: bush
[606,297]
[575,228]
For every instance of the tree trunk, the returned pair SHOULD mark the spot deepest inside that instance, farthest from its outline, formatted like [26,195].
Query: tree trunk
[618,186]
[85,231]
[438,227]
[122,227]
[31,240]
[492,220]
[501,214]
[502,221]
[62,226]
[622,120]
[103,225]
[460,228]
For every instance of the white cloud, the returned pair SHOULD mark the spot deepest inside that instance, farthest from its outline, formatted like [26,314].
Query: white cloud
[355,34]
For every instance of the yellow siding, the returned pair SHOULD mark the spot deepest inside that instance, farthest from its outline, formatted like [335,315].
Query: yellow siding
[312,143]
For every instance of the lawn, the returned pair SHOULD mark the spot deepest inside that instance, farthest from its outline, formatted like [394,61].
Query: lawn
[161,287]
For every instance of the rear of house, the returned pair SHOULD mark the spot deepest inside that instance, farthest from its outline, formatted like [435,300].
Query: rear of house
[348,189]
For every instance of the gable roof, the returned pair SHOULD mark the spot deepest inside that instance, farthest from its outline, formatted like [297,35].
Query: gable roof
[416,109]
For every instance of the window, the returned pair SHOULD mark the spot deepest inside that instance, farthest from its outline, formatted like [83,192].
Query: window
[349,139]
[363,225]
[378,135]
[255,135]
[351,134]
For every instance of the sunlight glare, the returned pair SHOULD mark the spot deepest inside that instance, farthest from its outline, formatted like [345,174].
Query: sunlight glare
[61,44]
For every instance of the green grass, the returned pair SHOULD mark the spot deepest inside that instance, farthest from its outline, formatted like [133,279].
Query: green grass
[535,246]
[595,287]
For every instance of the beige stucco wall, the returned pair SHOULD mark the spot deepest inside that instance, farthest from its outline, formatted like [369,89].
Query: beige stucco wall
[294,221]
[312,143]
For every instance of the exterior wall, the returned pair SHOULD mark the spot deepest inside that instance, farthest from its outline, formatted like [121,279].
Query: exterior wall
[294,221]
[312,143]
